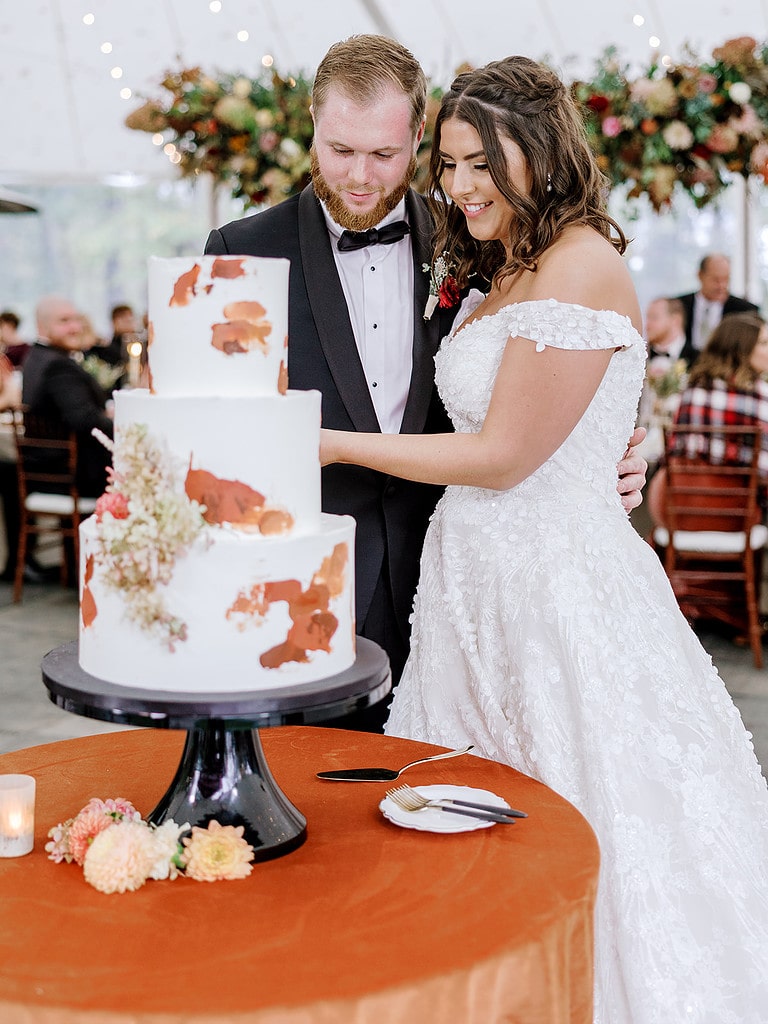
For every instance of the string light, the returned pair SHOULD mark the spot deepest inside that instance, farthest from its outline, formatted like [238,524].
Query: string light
[88,19]
[157,139]
[116,72]
[214,6]
[125,94]
[654,41]
[666,60]
[242,35]
[106,47]
[267,60]
[638,20]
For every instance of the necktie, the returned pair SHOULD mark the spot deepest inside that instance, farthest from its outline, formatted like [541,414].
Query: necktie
[707,325]
[351,240]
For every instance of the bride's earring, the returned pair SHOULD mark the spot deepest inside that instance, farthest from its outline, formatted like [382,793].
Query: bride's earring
[549,183]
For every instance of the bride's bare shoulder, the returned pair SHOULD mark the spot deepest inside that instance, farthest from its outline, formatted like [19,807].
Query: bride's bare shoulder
[584,268]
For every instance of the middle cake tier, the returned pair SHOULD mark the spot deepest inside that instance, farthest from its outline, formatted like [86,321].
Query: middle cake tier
[253,462]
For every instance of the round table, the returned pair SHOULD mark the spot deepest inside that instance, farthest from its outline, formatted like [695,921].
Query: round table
[365,923]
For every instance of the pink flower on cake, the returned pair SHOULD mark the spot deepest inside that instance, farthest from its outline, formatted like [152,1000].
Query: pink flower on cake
[113,502]
[218,852]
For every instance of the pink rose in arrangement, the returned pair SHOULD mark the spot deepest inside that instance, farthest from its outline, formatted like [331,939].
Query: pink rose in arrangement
[113,502]
[707,83]
[611,126]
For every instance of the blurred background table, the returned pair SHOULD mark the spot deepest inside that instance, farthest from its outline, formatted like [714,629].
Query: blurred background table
[366,923]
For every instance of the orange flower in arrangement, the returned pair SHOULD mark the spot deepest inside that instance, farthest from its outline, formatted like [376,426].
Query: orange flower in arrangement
[218,125]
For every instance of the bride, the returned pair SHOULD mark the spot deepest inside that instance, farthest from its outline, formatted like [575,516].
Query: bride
[545,631]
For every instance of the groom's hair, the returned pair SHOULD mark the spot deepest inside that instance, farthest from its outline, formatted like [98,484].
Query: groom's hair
[365,66]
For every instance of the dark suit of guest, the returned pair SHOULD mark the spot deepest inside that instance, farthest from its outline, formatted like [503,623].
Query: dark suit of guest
[733,304]
[391,514]
[57,387]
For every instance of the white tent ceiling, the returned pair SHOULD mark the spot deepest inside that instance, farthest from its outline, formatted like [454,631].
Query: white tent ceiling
[63,113]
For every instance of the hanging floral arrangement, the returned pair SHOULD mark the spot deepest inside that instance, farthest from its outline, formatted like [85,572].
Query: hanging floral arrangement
[253,135]
[689,125]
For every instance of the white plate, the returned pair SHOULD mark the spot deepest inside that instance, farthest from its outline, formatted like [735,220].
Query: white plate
[434,819]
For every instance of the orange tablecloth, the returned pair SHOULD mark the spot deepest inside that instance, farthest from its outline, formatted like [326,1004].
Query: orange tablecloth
[366,923]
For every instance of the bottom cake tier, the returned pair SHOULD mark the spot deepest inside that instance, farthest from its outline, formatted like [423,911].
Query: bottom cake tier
[238,613]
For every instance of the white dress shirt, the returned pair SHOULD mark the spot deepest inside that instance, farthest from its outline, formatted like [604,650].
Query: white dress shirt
[378,285]
[706,316]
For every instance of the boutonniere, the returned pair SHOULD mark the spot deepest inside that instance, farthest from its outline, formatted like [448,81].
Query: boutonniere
[443,287]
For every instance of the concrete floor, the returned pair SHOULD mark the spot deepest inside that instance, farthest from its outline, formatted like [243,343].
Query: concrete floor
[47,617]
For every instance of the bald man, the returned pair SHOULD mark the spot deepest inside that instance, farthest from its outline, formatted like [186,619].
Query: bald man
[705,308]
[56,386]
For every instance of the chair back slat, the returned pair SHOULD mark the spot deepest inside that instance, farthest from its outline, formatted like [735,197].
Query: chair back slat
[46,452]
[701,495]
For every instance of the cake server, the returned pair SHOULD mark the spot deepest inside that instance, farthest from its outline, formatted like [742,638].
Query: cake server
[383,774]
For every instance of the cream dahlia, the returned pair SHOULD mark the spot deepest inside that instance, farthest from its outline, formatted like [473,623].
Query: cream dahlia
[217,852]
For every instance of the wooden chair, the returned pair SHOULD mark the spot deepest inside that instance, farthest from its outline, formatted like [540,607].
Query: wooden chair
[47,462]
[713,542]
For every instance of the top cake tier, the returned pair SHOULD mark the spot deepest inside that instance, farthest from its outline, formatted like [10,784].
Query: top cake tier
[218,325]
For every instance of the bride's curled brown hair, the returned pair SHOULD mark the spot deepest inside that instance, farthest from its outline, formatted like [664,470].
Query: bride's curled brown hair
[522,100]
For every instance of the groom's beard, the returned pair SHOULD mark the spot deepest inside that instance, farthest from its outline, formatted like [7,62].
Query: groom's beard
[339,210]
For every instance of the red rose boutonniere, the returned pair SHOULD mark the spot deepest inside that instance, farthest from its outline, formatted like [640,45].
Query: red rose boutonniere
[443,287]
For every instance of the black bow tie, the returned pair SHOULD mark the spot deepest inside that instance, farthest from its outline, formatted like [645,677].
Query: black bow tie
[351,240]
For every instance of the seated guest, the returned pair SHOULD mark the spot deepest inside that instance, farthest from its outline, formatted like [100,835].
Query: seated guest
[665,330]
[55,386]
[10,397]
[124,329]
[11,345]
[705,308]
[727,386]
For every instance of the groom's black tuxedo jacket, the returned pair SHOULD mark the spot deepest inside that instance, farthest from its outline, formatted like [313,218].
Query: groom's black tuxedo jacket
[391,514]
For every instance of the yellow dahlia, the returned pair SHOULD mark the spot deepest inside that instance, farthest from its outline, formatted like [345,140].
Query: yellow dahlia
[217,852]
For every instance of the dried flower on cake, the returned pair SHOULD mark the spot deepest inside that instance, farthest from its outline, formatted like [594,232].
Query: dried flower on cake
[144,522]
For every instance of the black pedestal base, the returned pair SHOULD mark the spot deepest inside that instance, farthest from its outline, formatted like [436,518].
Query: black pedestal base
[224,776]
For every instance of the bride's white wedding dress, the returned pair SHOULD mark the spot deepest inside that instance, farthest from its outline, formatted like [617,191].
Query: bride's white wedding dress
[545,632]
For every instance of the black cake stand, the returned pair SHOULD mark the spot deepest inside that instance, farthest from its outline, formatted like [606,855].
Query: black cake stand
[223,773]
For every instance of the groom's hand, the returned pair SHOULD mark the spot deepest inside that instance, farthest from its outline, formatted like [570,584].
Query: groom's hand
[632,472]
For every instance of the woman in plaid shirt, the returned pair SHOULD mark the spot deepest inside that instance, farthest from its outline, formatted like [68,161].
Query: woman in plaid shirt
[728,386]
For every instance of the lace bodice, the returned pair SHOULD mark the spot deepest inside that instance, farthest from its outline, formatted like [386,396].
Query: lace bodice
[469,358]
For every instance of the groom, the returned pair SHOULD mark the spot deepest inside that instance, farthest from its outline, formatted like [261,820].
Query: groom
[352,337]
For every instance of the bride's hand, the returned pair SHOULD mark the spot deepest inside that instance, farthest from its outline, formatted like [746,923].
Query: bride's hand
[632,472]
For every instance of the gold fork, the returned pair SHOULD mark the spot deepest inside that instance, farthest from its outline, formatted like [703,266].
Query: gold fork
[409,800]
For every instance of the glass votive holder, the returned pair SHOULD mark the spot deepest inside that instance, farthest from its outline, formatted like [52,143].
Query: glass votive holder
[17,815]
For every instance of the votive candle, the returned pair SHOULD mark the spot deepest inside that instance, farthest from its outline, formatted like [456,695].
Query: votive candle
[17,815]
[134,363]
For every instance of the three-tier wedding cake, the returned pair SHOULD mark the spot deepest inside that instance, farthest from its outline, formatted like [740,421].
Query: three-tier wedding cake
[209,565]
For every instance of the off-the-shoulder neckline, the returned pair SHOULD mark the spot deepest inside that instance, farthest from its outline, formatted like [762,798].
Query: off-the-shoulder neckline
[549,302]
